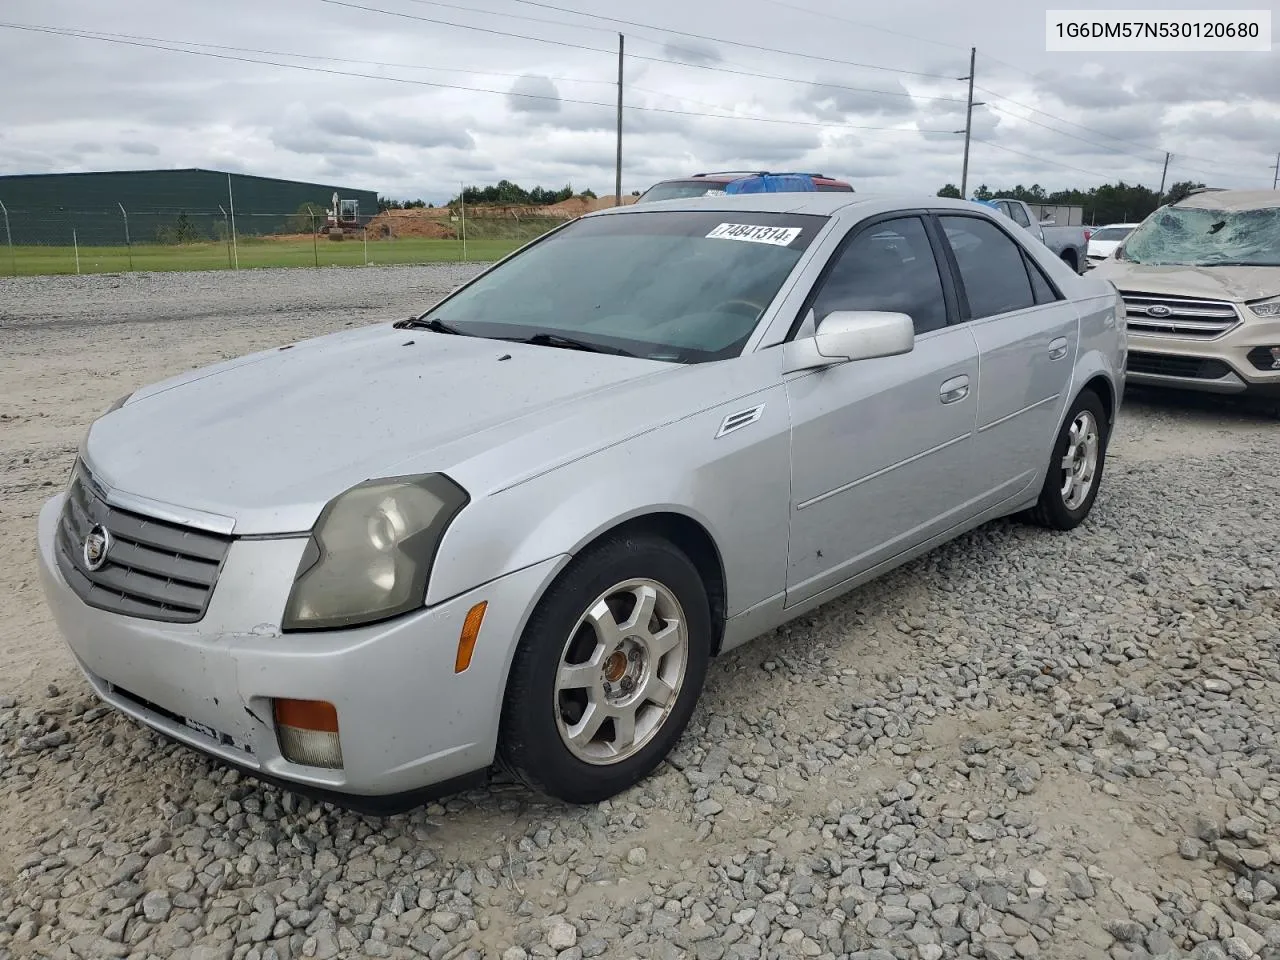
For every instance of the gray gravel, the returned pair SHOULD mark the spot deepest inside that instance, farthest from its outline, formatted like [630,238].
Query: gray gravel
[1024,745]
[61,302]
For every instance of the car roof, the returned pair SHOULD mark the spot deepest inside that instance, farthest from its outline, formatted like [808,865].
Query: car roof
[818,203]
[728,176]
[1230,200]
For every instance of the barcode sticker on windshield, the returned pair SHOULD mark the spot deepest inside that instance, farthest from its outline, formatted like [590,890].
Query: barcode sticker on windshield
[752,233]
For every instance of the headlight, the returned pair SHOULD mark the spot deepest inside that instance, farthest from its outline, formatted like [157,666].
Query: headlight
[1270,309]
[371,552]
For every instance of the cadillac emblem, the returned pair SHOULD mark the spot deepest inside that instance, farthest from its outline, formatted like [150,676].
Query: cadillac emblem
[1158,310]
[96,546]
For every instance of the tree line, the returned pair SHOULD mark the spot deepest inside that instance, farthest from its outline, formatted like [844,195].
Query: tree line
[502,193]
[1109,203]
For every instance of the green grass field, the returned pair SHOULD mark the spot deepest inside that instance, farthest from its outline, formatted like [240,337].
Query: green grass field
[32,261]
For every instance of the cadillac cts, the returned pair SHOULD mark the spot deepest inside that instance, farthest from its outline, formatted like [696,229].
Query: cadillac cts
[517,526]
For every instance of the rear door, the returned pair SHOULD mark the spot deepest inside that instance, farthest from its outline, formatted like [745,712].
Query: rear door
[1027,335]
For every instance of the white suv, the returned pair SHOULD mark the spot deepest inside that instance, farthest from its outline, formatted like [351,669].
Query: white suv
[1201,284]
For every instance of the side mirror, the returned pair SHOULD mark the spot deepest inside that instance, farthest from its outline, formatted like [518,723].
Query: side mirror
[847,335]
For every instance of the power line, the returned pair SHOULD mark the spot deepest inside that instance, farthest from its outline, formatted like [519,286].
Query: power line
[1102,133]
[732,43]
[95,34]
[83,35]
[987,56]
[636,56]
[866,26]
[1064,133]
[506,15]
[719,66]
[1094,143]
[1030,156]
[401,66]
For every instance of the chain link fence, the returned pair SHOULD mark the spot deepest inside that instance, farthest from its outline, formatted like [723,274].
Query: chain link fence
[119,239]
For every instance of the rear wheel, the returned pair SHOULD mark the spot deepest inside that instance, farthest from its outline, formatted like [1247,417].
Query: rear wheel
[608,671]
[1075,468]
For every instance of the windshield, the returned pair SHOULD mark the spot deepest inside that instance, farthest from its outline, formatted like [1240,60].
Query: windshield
[679,286]
[1111,233]
[1204,238]
[682,190]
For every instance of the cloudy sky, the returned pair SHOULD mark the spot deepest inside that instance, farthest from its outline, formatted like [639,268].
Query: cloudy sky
[871,97]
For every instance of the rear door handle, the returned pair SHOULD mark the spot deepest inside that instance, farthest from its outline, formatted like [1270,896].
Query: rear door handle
[1058,348]
[955,389]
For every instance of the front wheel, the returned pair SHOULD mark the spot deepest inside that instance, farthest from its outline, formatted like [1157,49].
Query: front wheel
[608,670]
[1075,468]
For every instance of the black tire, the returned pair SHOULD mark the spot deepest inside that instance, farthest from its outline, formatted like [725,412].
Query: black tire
[1069,258]
[530,745]
[1052,510]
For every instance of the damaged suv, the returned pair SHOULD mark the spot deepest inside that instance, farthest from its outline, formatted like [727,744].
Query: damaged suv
[1201,284]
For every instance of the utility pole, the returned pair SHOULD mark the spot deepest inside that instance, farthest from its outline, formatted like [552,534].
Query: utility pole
[617,183]
[235,244]
[13,257]
[968,126]
[1276,179]
[1164,174]
[127,242]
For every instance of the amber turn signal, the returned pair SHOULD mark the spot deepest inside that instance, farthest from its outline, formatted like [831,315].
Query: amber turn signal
[467,640]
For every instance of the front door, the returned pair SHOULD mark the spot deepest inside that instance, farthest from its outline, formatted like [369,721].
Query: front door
[881,455]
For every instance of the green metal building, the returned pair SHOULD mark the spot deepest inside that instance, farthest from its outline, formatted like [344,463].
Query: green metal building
[163,206]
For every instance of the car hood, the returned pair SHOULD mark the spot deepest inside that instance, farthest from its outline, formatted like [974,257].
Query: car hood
[1237,284]
[268,439]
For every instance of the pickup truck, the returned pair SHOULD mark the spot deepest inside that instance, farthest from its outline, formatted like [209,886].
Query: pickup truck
[1071,244]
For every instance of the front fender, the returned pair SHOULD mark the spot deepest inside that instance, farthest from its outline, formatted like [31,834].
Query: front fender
[735,486]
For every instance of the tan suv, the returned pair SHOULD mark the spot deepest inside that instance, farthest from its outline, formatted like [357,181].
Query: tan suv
[1201,283]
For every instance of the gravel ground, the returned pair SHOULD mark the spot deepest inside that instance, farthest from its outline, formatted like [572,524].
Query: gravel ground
[1023,745]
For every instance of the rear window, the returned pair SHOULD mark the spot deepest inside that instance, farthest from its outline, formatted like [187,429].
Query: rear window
[1111,233]
[682,190]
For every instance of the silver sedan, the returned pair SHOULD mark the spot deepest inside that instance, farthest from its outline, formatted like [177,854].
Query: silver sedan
[517,527]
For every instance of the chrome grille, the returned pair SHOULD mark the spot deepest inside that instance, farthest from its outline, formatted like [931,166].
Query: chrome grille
[1187,317]
[154,570]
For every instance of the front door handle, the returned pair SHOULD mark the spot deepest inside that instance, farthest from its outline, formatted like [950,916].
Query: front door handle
[955,389]
[1058,348]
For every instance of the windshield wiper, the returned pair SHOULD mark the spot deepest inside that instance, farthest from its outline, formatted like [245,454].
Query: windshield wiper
[434,325]
[568,343]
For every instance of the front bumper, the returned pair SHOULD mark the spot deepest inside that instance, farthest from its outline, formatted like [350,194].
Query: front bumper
[1227,365]
[407,722]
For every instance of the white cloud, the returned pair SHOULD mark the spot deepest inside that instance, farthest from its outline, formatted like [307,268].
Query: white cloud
[397,126]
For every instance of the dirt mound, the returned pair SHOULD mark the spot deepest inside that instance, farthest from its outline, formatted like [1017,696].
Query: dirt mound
[431,224]
[578,206]
[434,223]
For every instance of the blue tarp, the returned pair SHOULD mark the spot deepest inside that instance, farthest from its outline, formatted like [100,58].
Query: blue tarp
[770,183]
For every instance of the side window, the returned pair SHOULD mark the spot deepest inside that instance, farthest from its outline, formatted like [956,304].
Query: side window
[1019,215]
[888,266]
[1040,286]
[991,266]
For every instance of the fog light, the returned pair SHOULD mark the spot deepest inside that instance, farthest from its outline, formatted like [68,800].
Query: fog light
[308,733]
[1265,358]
